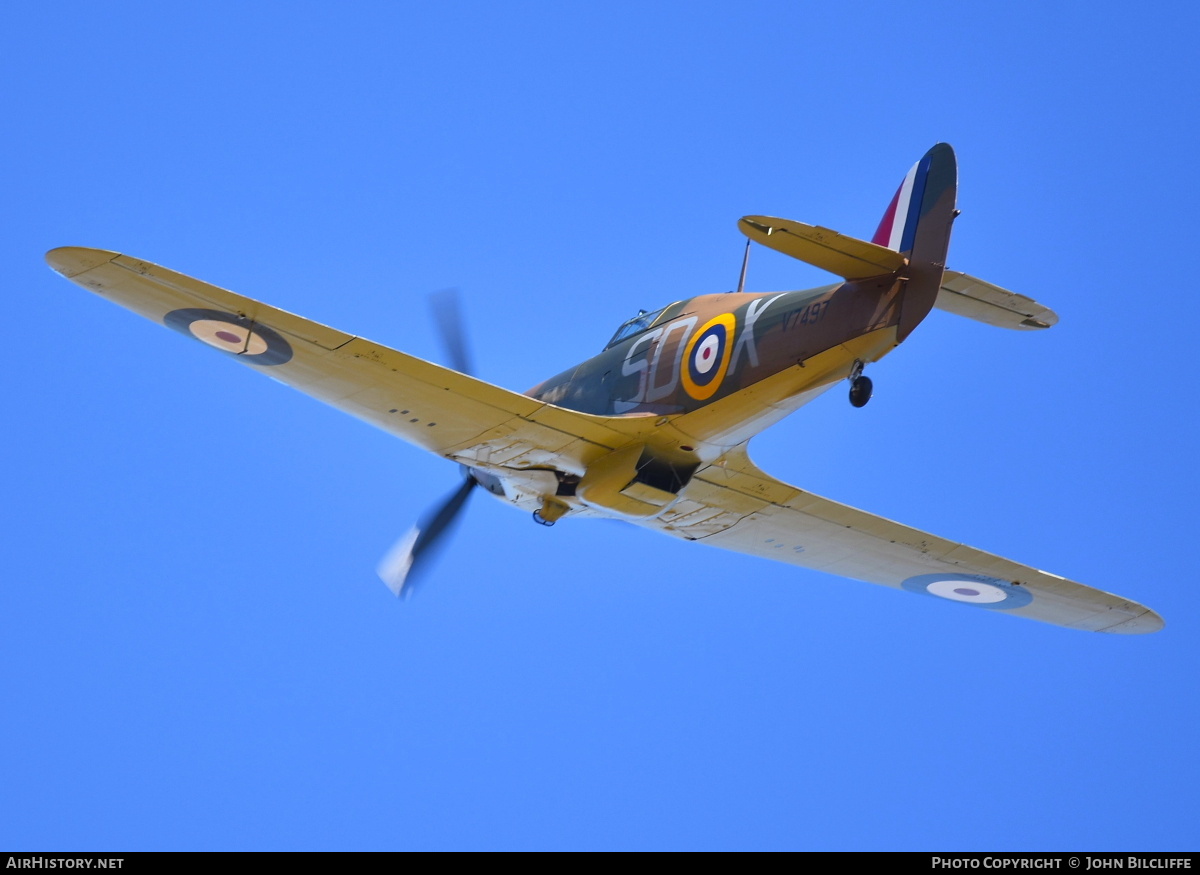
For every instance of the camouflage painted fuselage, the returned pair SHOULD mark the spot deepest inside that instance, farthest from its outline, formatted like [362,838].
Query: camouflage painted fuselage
[704,350]
[717,369]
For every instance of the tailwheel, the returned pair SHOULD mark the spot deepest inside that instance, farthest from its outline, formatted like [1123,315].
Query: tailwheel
[860,390]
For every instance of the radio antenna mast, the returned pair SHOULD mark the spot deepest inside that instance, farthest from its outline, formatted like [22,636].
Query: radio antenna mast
[745,263]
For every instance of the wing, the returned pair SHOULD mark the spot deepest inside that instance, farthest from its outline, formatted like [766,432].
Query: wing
[735,505]
[436,408]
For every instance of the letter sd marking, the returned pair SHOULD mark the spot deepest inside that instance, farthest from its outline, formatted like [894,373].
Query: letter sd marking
[236,335]
[683,328]
[706,357]
[971,589]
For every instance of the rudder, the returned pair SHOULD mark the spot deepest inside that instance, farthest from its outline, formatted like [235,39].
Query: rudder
[917,225]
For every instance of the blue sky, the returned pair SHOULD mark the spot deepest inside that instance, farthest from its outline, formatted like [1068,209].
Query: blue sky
[196,652]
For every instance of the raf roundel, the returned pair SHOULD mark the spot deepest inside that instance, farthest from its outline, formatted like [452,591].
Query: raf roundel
[252,343]
[971,589]
[706,357]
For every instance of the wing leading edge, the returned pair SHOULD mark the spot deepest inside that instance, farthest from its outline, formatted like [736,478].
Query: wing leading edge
[735,505]
[436,408]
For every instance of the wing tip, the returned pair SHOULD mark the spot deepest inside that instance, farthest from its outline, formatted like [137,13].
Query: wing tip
[1143,624]
[71,261]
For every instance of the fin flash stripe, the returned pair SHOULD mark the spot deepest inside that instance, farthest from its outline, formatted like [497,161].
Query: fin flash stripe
[898,229]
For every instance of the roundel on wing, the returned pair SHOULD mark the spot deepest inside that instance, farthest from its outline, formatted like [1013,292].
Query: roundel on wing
[706,357]
[253,343]
[971,589]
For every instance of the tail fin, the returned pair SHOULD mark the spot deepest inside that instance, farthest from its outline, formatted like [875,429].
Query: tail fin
[911,241]
[898,228]
[917,225]
[904,211]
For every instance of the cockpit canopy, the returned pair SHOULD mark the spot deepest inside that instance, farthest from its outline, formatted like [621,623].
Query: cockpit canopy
[639,323]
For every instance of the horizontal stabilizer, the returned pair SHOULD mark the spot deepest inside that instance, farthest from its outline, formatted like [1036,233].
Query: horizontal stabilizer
[844,256]
[967,296]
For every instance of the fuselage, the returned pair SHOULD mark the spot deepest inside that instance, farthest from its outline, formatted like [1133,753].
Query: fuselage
[704,350]
[710,372]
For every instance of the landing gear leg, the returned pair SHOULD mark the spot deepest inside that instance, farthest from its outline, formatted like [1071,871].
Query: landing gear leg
[550,512]
[860,386]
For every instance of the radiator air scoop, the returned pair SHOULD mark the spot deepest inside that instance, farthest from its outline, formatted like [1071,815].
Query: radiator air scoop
[633,482]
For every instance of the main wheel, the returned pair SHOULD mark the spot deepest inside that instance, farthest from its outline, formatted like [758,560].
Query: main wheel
[860,391]
[541,520]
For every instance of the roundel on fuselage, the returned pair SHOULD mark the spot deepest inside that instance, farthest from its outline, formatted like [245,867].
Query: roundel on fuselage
[706,357]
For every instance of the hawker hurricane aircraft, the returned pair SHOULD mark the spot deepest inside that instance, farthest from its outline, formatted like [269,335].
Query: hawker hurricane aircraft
[654,429]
